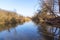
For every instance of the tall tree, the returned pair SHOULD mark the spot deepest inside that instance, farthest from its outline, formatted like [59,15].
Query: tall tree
[59,5]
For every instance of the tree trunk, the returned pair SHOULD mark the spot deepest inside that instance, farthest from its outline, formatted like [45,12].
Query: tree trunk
[59,5]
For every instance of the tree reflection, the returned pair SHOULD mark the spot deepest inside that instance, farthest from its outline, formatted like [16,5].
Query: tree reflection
[49,32]
[8,26]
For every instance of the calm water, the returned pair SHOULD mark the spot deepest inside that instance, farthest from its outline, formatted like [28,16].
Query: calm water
[26,31]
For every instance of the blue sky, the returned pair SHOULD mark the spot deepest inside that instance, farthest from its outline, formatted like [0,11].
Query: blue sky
[24,7]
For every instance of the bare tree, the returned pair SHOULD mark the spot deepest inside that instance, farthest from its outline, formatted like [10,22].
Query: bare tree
[59,5]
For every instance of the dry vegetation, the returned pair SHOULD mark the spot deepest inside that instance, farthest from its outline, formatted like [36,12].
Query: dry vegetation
[9,17]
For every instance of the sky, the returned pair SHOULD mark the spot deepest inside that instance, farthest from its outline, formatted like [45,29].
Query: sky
[23,7]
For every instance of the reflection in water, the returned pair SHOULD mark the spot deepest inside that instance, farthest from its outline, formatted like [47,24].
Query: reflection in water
[8,26]
[49,32]
[29,31]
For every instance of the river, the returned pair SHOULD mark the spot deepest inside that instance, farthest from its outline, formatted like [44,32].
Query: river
[26,31]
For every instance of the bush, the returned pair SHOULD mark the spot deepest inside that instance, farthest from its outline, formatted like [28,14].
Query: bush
[13,21]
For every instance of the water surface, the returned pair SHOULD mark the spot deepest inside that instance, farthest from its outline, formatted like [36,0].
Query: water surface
[26,31]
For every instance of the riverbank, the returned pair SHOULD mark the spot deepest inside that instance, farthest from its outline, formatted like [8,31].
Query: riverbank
[10,17]
[48,19]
